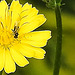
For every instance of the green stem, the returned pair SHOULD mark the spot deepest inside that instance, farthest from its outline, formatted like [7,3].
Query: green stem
[59,40]
[3,73]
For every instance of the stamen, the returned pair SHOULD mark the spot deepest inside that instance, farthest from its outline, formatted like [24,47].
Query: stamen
[6,38]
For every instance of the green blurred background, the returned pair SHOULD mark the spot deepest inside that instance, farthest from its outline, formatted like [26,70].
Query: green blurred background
[45,66]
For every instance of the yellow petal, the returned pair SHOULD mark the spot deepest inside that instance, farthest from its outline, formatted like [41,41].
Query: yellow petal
[26,50]
[32,24]
[26,6]
[37,38]
[18,58]
[2,58]
[27,15]
[9,63]
[38,52]
[15,10]
[35,43]
[38,35]
[3,12]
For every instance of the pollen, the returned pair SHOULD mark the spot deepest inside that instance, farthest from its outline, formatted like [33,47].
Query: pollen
[6,38]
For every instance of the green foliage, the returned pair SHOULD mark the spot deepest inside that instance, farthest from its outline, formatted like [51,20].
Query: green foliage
[58,1]
[50,3]
[46,0]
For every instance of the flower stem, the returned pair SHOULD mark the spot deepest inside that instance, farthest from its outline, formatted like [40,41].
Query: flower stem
[3,73]
[59,40]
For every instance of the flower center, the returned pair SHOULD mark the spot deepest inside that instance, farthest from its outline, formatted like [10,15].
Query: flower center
[6,38]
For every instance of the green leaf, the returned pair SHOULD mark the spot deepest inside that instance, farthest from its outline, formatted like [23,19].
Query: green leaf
[58,1]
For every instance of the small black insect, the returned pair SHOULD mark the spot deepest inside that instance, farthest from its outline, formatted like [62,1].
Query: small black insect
[16,35]
[15,31]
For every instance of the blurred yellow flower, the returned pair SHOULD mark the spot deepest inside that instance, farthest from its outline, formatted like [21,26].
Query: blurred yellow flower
[17,40]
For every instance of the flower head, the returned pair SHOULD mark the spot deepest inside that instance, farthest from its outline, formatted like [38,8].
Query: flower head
[17,38]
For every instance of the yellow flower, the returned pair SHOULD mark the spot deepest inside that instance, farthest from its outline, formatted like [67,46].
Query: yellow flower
[17,38]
